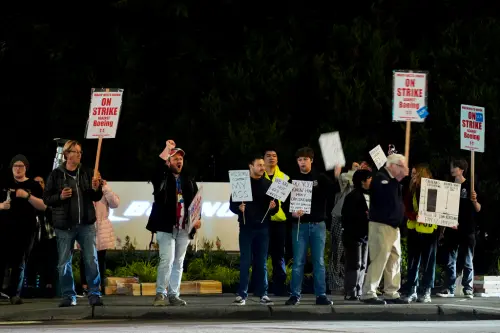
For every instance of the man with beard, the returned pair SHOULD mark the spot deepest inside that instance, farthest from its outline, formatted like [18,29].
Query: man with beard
[21,199]
[173,193]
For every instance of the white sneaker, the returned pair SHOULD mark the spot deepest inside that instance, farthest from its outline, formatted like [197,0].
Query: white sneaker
[445,293]
[265,300]
[239,301]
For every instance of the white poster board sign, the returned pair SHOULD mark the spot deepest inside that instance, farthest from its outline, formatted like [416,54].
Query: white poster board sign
[301,197]
[331,149]
[195,209]
[439,202]
[105,106]
[378,156]
[280,189]
[409,96]
[472,128]
[241,190]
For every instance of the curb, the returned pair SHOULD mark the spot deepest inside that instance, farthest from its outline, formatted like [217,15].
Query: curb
[257,313]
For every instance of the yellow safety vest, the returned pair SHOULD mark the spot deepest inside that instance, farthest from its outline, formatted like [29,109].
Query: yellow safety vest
[280,215]
[423,228]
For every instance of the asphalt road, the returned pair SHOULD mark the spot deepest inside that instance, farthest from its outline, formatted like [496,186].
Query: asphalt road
[303,327]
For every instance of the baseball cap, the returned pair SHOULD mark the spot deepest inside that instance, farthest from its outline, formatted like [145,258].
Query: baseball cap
[176,151]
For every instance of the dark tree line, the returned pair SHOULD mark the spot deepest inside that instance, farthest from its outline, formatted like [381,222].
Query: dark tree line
[227,78]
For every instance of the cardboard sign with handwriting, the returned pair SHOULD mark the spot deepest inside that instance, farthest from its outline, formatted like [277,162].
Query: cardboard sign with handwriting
[279,189]
[439,202]
[301,197]
[241,190]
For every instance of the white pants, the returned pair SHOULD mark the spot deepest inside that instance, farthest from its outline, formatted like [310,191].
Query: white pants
[384,248]
[173,249]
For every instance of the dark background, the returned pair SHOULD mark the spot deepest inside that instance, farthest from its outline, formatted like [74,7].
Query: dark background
[226,78]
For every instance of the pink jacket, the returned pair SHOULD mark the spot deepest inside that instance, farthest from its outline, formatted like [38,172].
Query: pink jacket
[105,236]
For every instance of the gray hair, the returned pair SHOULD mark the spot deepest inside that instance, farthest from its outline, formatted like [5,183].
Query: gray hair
[395,159]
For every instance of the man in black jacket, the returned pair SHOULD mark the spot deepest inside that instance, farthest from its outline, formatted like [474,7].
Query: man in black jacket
[173,193]
[355,234]
[384,239]
[71,191]
[312,230]
[254,232]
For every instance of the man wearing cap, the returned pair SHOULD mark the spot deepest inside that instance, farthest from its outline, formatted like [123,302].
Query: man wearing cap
[20,201]
[173,193]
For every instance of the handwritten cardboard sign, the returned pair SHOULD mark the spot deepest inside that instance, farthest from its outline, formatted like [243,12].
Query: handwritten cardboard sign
[195,209]
[331,149]
[279,189]
[378,156]
[439,202]
[241,190]
[301,197]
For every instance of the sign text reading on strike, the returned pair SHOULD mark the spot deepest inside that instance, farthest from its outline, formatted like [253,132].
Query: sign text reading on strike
[472,124]
[104,114]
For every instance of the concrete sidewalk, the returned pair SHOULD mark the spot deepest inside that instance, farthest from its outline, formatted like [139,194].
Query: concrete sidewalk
[220,308]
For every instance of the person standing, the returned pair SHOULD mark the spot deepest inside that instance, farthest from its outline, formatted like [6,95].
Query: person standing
[20,203]
[312,231]
[254,218]
[355,234]
[384,239]
[105,235]
[422,241]
[460,242]
[71,191]
[173,193]
[277,227]
[43,259]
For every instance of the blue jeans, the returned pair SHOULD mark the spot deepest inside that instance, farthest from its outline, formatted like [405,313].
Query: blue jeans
[85,235]
[254,241]
[422,250]
[314,235]
[460,250]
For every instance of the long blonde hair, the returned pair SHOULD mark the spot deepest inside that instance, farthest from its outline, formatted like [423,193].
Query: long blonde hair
[421,171]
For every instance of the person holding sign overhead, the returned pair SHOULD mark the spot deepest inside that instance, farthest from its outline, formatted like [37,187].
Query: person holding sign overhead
[254,218]
[460,242]
[71,191]
[310,229]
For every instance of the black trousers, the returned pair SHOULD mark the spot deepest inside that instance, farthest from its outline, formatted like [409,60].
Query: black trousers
[356,261]
[43,261]
[101,258]
[15,245]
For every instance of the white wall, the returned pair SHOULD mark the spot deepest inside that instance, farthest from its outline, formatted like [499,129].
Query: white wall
[136,198]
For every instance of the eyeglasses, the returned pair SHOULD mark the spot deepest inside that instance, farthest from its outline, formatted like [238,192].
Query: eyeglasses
[19,166]
[79,152]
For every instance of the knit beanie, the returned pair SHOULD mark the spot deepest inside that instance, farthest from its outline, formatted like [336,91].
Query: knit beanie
[20,158]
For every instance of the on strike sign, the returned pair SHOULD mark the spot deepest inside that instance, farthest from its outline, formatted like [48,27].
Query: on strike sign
[409,96]
[472,128]
[104,113]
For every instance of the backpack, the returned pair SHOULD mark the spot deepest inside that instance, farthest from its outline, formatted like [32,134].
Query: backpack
[339,201]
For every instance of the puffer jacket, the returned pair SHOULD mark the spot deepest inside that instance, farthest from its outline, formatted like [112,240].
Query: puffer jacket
[105,235]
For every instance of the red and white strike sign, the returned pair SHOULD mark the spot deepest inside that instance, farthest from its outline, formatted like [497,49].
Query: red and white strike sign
[472,128]
[104,113]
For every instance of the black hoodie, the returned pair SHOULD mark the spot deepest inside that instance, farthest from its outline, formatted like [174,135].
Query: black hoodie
[256,209]
[323,198]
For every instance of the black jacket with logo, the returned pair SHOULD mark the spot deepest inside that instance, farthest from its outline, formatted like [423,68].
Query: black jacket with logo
[386,200]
